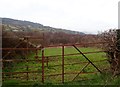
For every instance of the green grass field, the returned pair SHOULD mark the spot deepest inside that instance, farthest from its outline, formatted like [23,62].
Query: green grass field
[54,67]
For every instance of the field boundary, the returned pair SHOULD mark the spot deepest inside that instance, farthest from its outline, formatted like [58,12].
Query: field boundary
[45,59]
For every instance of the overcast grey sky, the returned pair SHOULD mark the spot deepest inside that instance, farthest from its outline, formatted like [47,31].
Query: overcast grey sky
[88,16]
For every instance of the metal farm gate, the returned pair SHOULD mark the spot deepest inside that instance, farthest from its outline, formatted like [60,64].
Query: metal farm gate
[62,70]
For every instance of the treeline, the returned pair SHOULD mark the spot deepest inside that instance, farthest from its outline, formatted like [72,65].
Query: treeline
[11,39]
[64,38]
[48,38]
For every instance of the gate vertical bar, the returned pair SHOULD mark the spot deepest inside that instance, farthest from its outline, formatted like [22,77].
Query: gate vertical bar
[1,63]
[62,64]
[27,57]
[43,65]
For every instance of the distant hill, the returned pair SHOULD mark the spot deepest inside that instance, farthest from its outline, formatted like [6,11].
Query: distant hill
[19,25]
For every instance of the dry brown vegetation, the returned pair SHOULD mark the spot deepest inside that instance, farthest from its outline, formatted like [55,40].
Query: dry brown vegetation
[112,49]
